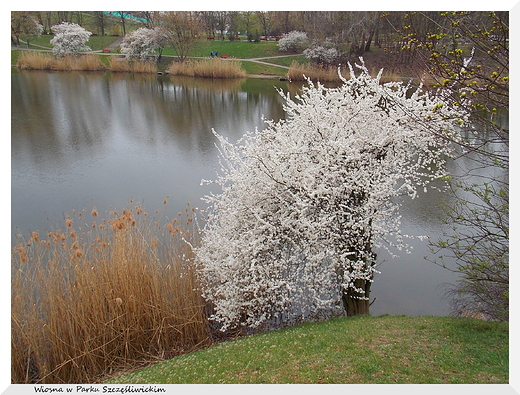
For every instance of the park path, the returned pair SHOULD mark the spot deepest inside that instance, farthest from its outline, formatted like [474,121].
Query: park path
[115,44]
[262,61]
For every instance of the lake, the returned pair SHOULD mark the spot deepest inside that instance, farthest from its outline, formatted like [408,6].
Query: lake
[80,140]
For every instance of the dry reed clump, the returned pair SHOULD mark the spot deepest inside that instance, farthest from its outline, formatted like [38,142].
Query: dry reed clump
[118,64]
[301,72]
[208,68]
[91,299]
[35,61]
[42,61]
[88,62]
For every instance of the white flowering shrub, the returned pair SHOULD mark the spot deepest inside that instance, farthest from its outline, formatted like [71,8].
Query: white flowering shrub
[305,201]
[321,54]
[69,38]
[292,41]
[142,42]
[38,29]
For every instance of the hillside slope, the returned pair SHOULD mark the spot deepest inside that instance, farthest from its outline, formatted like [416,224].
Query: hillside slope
[386,349]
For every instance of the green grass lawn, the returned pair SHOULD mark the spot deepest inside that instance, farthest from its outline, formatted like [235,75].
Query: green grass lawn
[367,350]
[259,68]
[287,60]
[238,49]
[96,43]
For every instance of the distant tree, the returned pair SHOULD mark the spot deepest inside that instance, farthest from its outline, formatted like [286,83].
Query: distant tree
[101,21]
[293,41]
[149,18]
[209,22]
[181,28]
[123,15]
[69,38]
[24,23]
[45,19]
[143,41]
[233,25]
[374,26]
[323,54]
[265,18]
[221,20]
[64,16]
[306,201]
[249,20]
[79,17]
[283,21]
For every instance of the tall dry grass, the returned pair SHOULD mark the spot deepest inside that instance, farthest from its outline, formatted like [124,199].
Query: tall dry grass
[29,60]
[117,64]
[208,68]
[101,295]
[35,61]
[301,72]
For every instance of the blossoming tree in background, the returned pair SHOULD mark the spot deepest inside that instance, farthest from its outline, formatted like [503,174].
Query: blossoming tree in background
[69,38]
[142,42]
[293,41]
[321,54]
[23,24]
[306,201]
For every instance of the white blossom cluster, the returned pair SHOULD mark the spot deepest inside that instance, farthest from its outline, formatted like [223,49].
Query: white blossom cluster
[142,42]
[69,38]
[305,201]
[321,54]
[292,41]
[38,29]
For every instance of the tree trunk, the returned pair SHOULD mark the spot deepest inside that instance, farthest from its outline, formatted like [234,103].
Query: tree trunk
[123,24]
[356,303]
[375,26]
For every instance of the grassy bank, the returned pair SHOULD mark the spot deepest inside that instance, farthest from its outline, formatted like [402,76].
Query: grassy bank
[201,48]
[368,350]
[96,43]
[209,68]
[101,294]
[252,55]
[237,49]
[254,68]
[263,51]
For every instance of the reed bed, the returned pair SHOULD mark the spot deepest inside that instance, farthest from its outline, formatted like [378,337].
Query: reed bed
[301,72]
[99,296]
[35,61]
[117,64]
[29,60]
[208,68]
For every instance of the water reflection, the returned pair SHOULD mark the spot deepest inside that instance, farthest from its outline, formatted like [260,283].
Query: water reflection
[84,139]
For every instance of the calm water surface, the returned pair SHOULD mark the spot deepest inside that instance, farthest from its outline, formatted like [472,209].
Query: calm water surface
[86,139]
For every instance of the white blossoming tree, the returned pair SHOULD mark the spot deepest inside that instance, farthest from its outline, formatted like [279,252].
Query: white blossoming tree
[292,41]
[142,42]
[306,201]
[321,54]
[69,38]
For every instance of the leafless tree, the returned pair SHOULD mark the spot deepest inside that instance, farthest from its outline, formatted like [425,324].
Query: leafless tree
[468,54]
[181,28]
